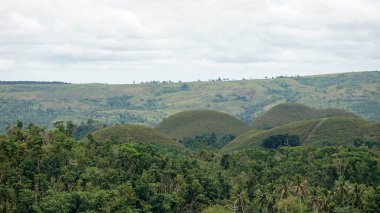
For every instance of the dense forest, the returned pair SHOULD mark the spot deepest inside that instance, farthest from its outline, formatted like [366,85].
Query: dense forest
[48,170]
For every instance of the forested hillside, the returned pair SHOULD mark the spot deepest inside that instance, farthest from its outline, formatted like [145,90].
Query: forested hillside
[49,171]
[148,103]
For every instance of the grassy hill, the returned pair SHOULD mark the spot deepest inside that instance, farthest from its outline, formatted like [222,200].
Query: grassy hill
[289,112]
[327,131]
[201,124]
[135,133]
[150,103]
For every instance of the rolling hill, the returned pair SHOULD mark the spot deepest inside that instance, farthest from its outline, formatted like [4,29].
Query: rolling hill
[289,112]
[317,132]
[208,128]
[135,133]
[149,103]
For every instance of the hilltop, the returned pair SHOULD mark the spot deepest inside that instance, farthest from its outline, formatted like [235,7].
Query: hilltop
[318,132]
[208,128]
[150,103]
[135,134]
[289,112]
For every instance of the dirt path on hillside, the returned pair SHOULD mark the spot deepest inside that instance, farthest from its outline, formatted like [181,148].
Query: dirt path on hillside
[315,128]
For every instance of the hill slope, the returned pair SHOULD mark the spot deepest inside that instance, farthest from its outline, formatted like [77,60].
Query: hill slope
[289,112]
[198,126]
[150,103]
[326,131]
[135,133]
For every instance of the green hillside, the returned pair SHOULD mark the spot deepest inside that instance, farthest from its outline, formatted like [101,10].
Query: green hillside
[289,112]
[208,128]
[327,131]
[150,103]
[135,134]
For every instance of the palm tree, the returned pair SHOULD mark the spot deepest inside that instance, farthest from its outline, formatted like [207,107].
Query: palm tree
[341,191]
[314,202]
[261,198]
[266,198]
[300,187]
[326,201]
[357,196]
[240,201]
[284,188]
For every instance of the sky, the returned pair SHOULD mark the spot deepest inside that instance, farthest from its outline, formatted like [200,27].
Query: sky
[121,41]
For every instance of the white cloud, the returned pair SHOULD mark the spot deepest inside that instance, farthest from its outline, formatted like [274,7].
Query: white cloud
[187,40]
[6,64]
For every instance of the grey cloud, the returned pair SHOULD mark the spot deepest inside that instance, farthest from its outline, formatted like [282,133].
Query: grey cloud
[176,39]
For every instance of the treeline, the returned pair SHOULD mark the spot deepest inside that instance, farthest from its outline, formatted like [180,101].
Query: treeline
[206,141]
[33,82]
[49,171]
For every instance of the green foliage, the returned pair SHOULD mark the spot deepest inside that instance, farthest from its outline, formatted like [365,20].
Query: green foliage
[369,144]
[83,129]
[275,141]
[184,87]
[49,171]
[219,98]
[370,108]
[216,209]
[305,179]
[119,101]
[206,141]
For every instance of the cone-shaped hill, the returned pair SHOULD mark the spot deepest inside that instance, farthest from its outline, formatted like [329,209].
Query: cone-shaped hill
[202,128]
[317,132]
[289,112]
[135,133]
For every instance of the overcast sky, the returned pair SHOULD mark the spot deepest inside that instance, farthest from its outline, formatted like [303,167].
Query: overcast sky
[121,41]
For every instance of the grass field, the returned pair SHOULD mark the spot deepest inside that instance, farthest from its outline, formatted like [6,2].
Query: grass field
[289,112]
[192,123]
[135,134]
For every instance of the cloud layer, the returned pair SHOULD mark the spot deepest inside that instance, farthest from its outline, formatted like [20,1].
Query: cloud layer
[120,41]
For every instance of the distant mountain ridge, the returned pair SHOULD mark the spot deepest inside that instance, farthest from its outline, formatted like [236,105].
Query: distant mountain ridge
[150,103]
